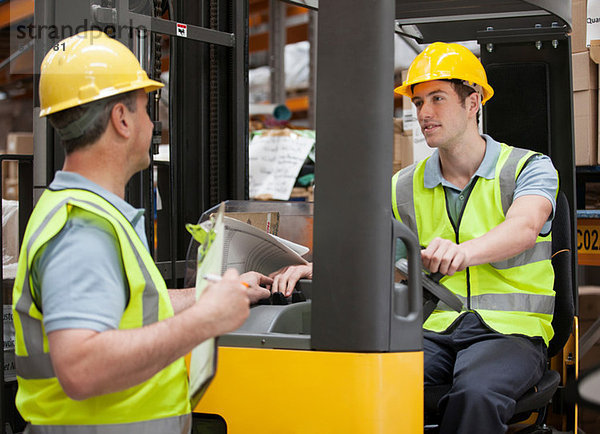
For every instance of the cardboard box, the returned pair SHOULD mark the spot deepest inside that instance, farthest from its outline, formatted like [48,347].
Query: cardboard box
[579,24]
[585,108]
[19,143]
[305,194]
[585,71]
[585,114]
[16,143]
[265,221]
[10,169]
[403,146]
[589,303]
[10,187]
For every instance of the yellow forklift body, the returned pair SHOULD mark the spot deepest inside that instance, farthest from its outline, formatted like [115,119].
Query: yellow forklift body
[316,392]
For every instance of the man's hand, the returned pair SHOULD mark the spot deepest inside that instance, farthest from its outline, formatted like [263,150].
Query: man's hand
[227,300]
[285,279]
[257,281]
[444,256]
[518,232]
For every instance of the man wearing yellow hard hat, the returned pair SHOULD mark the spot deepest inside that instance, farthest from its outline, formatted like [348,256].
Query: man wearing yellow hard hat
[483,211]
[99,339]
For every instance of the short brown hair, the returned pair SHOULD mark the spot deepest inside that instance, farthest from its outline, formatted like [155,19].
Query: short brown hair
[463,91]
[64,118]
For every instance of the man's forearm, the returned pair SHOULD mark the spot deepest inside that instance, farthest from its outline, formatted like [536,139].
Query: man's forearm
[114,360]
[88,363]
[502,242]
[524,221]
[182,298]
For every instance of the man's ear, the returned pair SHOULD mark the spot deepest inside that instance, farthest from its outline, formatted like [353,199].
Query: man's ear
[473,102]
[120,120]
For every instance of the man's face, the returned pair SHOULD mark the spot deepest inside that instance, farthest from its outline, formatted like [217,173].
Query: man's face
[140,147]
[441,114]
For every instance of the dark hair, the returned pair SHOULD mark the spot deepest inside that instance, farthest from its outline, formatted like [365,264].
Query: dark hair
[64,118]
[461,89]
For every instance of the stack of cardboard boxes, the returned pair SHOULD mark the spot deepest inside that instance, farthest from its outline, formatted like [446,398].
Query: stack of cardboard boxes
[585,90]
[585,115]
[16,143]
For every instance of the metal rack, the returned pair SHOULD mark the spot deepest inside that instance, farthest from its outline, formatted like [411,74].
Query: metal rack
[208,131]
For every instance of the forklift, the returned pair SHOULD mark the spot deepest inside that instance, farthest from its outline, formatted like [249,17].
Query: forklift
[350,357]
[357,366]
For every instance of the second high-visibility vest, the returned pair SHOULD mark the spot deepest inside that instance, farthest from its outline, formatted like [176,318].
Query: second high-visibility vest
[514,296]
[160,404]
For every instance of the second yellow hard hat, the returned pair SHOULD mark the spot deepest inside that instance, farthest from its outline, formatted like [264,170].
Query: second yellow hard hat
[443,61]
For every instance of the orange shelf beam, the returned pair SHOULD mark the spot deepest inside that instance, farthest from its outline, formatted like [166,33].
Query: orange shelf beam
[14,11]
[260,41]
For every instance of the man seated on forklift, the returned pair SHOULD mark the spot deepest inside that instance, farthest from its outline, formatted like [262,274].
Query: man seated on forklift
[483,212]
[99,339]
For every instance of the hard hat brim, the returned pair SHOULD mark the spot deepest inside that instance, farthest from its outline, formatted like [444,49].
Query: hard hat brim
[406,89]
[147,85]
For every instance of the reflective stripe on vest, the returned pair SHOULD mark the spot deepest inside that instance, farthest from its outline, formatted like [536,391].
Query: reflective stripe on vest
[512,296]
[162,401]
[533,303]
[172,425]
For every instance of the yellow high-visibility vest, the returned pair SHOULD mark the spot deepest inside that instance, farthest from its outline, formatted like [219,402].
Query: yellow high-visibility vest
[158,405]
[514,296]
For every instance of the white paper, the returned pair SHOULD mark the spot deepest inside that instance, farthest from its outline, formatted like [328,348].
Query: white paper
[274,163]
[298,248]
[247,248]
[9,328]
[593,21]
[8,342]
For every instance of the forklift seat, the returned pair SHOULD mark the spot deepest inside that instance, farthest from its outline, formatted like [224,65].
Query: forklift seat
[537,398]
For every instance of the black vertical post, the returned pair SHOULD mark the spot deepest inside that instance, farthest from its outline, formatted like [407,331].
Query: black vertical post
[352,236]
[239,105]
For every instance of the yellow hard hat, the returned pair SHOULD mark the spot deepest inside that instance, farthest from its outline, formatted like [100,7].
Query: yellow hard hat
[442,61]
[87,67]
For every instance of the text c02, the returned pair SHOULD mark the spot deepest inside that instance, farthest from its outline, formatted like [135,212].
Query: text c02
[587,239]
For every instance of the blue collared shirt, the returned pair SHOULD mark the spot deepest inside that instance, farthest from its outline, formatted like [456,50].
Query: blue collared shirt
[538,178]
[80,271]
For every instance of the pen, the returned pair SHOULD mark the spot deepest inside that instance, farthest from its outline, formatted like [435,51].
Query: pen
[217,278]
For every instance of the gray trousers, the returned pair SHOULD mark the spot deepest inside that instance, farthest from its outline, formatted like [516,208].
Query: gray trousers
[488,372]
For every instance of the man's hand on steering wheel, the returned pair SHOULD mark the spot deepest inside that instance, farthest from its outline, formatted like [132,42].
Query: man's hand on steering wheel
[444,256]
